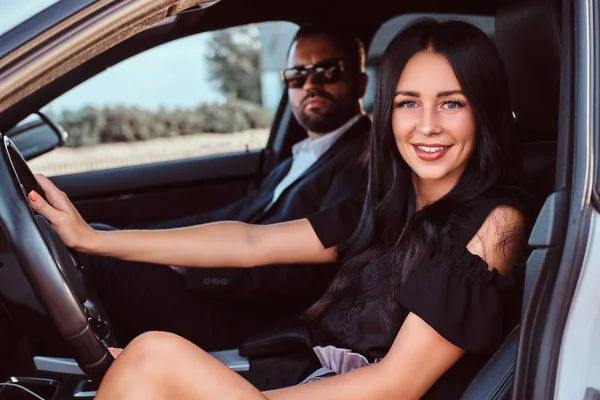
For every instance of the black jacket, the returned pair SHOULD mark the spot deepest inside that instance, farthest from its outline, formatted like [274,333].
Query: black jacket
[337,175]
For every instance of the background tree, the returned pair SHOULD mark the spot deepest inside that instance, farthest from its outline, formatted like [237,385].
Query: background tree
[233,58]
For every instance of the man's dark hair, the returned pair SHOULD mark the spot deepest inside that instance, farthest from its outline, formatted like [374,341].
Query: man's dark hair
[352,46]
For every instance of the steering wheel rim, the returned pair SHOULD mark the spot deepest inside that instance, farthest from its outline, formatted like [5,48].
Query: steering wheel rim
[47,264]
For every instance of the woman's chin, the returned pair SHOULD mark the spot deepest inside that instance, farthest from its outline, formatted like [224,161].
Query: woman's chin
[425,175]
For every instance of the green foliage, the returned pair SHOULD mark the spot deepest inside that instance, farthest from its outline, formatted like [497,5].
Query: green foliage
[91,126]
[233,58]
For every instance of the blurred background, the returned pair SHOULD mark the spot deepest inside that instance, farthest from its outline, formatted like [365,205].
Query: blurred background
[210,93]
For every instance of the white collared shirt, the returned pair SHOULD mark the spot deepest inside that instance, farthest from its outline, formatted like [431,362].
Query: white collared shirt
[306,152]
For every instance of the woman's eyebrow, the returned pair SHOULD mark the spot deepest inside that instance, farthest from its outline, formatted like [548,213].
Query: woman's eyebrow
[408,93]
[417,94]
[449,93]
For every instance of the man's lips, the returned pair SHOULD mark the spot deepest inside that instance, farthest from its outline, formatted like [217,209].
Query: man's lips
[315,102]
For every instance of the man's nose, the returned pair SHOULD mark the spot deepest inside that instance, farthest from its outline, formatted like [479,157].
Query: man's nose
[312,81]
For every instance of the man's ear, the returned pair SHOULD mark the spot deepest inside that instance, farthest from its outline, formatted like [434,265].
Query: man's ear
[363,79]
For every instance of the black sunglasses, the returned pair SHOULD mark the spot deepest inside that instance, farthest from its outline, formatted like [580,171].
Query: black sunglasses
[324,72]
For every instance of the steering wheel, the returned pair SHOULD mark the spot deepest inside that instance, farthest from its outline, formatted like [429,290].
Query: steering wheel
[50,267]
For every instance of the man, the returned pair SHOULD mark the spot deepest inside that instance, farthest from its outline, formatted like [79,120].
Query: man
[218,307]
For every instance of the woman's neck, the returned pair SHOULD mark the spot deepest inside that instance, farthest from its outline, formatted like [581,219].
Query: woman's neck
[431,190]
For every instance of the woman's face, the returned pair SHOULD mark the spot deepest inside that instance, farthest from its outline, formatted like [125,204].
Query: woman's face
[432,120]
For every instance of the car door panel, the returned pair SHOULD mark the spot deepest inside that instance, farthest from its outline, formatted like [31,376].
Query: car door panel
[153,192]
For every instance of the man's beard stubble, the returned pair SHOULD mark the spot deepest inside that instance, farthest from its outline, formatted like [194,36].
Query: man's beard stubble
[322,122]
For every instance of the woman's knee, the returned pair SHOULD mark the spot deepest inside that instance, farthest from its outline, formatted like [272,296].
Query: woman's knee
[147,358]
[154,347]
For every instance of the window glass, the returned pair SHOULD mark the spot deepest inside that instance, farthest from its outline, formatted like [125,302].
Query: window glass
[211,93]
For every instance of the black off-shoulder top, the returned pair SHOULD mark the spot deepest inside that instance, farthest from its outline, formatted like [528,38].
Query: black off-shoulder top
[451,289]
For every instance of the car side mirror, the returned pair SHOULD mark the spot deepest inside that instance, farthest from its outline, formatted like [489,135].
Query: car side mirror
[37,135]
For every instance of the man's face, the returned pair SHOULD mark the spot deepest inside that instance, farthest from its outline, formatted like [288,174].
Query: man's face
[322,104]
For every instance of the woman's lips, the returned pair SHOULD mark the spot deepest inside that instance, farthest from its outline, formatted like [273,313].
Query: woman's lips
[431,152]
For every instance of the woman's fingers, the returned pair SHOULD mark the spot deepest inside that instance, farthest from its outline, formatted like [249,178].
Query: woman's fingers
[115,351]
[60,212]
[41,206]
[54,195]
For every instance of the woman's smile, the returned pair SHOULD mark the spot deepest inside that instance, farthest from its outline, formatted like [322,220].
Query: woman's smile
[431,152]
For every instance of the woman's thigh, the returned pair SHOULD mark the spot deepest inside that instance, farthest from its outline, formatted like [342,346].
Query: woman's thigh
[163,365]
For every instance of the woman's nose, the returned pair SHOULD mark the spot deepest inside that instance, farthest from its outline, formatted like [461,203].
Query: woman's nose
[428,123]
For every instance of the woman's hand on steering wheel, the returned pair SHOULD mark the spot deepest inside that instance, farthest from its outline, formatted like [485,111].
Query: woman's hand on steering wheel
[115,351]
[62,214]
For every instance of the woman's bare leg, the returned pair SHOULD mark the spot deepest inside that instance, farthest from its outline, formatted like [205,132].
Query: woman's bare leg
[160,365]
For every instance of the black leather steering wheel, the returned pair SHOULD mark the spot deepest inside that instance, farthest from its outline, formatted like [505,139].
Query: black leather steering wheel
[50,268]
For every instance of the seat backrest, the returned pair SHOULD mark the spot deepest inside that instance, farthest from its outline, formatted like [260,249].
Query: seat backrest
[528,39]
[539,165]
[527,36]
[495,380]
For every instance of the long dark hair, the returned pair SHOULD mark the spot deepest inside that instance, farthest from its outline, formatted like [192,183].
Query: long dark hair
[390,225]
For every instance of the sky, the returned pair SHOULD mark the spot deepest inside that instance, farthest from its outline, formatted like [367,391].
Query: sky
[172,75]
[13,12]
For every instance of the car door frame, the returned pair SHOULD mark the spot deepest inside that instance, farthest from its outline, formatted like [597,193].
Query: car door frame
[546,316]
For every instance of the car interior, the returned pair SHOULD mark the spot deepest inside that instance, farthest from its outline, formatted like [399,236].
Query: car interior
[36,356]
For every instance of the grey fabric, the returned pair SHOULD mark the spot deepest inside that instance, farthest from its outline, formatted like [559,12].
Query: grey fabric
[335,361]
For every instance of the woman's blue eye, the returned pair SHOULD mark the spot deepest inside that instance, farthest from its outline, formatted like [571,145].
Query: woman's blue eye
[452,105]
[406,104]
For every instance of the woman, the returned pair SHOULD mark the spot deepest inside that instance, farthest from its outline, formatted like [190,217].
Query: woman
[426,280]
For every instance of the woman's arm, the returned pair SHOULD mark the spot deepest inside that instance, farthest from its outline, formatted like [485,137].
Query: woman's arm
[416,360]
[227,244]
[219,244]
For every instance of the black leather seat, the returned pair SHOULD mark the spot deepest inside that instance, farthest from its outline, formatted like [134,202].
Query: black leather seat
[539,164]
[528,38]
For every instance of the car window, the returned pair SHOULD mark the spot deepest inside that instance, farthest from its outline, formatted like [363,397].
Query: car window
[207,94]
[391,27]
[15,12]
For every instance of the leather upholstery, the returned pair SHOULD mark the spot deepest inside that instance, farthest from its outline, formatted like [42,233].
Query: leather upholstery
[528,38]
[495,380]
[283,337]
[539,164]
